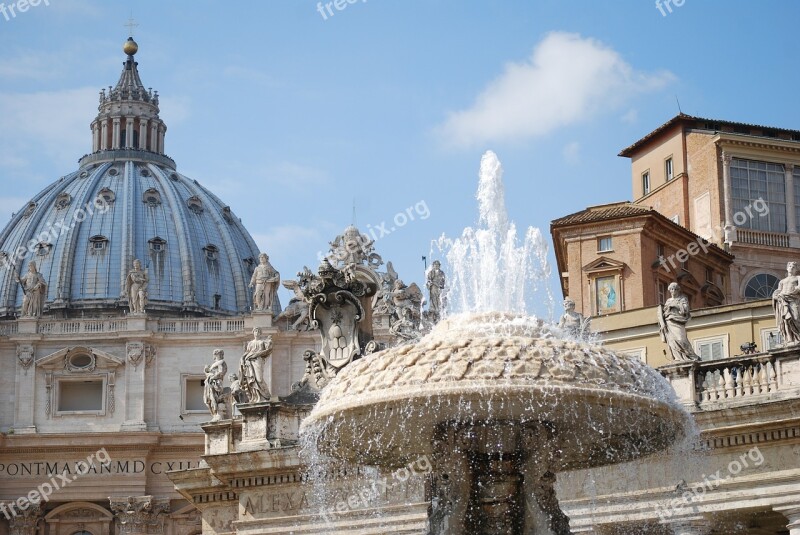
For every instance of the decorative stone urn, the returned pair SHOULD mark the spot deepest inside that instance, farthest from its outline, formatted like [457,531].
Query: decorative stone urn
[499,404]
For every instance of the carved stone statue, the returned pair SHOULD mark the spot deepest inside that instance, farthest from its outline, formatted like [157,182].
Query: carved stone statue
[251,367]
[238,395]
[573,322]
[786,303]
[136,288]
[435,284]
[672,318]
[404,322]
[265,280]
[213,391]
[297,309]
[35,290]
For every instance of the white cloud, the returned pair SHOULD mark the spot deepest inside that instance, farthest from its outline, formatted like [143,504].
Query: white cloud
[46,125]
[572,153]
[567,79]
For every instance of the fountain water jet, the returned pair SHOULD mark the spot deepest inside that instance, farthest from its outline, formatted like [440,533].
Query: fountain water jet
[498,401]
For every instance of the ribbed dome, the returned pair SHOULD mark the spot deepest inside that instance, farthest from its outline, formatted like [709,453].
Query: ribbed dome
[190,243]
[127,202]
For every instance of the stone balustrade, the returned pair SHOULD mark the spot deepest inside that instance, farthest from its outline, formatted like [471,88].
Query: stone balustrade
[739,379]
[201,326]
[82,326]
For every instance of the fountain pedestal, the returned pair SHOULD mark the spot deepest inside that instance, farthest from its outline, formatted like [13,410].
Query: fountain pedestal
[494,479]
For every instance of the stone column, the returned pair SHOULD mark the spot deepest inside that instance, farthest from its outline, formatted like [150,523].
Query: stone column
[728,227]
[142,133]
[115,140]
[104,136]
[154,136]
[138,354]
[691,526]
[140,515]
[128,132]
[25,390]
[95,137]
[791,217]
[26,521]
[161,132]
[793,515]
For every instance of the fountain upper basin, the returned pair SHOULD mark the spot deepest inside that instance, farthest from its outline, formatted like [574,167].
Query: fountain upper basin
[504,373]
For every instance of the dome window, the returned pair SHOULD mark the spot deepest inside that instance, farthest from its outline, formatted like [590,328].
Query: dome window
[43,248]
[173,176]
[105,196]
[63,200]
[83,174]
[152,197]
[157,245]
[195,204]
[145,172]
[113,171]
[212,252]
[227,215]
[98,244]
[29,209]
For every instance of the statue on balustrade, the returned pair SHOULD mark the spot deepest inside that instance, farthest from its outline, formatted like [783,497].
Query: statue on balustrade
[136,288]
[672,318]
[251,367]
[213,391]
[435,283]
[265,280]
[34,290]
[786,303]
[573,322]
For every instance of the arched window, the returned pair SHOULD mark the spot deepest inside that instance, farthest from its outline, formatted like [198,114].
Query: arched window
[195,204]
[761,286]
[152,197]
[82,533]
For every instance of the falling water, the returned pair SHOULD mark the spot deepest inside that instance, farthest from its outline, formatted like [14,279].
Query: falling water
[488,270]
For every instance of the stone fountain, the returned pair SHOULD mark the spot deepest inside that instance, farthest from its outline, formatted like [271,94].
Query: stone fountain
[498,401]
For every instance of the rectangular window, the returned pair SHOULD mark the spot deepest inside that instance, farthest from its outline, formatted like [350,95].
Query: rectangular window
[711,348]
[84,396]
[193,389]
[659,250]
[663,294]
[709,275]
[604,244]
[752,180]
[645,182]
[770,339]
[668,169]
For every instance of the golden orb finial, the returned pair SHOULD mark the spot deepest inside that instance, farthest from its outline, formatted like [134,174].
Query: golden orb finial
[130,47]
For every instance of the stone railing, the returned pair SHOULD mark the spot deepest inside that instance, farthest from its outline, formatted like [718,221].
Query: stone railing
[83,326]
[757,237]
[201,326]
[736,379]
[8,327]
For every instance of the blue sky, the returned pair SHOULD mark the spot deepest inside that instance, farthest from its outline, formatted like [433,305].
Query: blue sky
[290,116]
